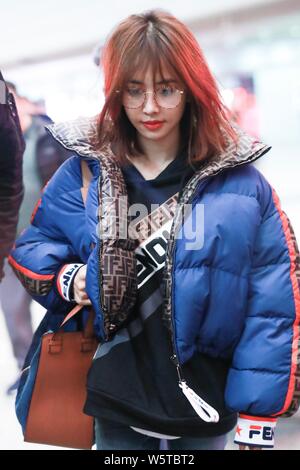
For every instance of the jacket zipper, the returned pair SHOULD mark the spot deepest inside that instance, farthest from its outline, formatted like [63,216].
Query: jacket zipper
[203,409]
[108,326]
[174,357]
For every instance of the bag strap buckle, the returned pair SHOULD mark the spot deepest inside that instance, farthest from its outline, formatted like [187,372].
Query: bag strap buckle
[54,346]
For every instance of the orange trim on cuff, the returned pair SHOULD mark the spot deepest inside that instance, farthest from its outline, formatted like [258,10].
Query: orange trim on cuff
[58,283]
[296,295]
[257,418]
[27,272]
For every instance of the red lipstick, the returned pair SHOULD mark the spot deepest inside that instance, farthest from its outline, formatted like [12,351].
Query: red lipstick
[153,125]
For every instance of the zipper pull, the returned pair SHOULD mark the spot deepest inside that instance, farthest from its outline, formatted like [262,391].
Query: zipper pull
[203,409]
[175,361]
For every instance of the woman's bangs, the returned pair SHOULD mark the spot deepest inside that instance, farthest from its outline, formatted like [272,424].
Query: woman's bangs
[151,55]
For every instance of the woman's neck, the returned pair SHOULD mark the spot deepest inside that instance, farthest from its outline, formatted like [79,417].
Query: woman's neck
[157,152]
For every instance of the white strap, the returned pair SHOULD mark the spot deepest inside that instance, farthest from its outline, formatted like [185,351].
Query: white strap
[203,409]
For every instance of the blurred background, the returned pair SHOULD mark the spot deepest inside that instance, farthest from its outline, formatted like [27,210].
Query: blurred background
[50,51]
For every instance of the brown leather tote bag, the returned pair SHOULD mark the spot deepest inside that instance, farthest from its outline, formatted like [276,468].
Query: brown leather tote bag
[55,414]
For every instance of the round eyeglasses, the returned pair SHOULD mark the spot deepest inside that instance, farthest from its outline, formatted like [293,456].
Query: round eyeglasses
[165,96]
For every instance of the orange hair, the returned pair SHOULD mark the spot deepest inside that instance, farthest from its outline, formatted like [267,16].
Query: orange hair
[157,38]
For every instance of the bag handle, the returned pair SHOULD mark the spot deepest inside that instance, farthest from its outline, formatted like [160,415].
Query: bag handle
[55,344]
[88,331]
[71,314]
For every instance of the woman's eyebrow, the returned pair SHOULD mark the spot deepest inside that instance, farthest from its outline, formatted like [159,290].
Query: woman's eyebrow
[167,80]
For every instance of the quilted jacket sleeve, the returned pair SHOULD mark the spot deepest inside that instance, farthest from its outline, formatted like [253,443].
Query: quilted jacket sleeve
[46,246]
[264,379]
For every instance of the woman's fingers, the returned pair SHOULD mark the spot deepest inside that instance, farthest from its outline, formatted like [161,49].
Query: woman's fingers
[81,274]
[85,302]
[82,301]
[80,295]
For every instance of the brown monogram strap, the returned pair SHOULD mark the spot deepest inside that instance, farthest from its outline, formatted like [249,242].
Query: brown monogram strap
[117,249]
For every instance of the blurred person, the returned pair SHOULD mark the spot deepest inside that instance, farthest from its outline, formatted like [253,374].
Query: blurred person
[42,156]
[198,328]
[11,186]
[245,111]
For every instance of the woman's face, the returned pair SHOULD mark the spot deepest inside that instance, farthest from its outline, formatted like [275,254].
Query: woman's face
[165,121]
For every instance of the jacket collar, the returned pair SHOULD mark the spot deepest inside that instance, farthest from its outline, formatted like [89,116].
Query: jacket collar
[77,135]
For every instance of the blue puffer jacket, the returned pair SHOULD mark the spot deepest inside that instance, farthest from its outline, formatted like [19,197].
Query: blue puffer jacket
[236,297]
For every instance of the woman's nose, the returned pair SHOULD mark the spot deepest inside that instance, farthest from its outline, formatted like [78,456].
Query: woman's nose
[150,105]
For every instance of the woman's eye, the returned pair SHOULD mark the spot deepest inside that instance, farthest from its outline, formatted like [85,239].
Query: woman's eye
[134,91]
[165,90]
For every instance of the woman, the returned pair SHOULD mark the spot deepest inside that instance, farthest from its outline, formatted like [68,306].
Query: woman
[195,285]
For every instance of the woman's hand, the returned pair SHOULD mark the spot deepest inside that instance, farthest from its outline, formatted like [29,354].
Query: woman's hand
[80,295]
[244,447]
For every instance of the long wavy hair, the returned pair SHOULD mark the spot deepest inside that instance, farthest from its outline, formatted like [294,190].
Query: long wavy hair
[156,38]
